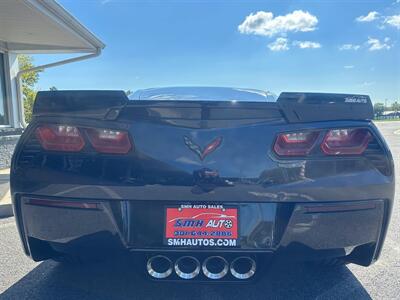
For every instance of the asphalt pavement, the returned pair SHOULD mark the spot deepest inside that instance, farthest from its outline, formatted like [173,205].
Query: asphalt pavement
[20,278]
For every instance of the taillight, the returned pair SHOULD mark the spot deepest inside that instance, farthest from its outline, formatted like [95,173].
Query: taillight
[60,138]
[109,141]
[295,143]
[346,141]
[341,141]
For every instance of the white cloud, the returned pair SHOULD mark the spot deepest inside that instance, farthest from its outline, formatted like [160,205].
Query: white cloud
[349,67]
[307,44]
[264,23]
[393,21]
[349,47]
[280,44]
[375,44]
[372,16]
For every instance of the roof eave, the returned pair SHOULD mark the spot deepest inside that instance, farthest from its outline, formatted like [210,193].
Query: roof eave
[62,14]
[40,48]
[51,9]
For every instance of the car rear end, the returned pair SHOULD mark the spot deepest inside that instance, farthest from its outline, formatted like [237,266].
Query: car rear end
[202,189]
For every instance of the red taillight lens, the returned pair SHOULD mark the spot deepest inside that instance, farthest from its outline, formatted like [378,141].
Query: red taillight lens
[60,138]
[109,141]
[346,141]
[295,143]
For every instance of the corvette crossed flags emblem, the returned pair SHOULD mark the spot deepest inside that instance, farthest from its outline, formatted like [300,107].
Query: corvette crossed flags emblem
[202,153]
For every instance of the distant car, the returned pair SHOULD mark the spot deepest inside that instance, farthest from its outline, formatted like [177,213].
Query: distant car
[203,183]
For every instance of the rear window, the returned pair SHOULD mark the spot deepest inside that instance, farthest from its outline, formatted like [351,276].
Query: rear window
[204,94]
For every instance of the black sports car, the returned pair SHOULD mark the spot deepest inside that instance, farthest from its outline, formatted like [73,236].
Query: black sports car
[202,183]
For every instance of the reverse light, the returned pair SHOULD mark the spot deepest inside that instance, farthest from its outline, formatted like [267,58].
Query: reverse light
[60,138]
[295,143]
[109,141]
[351,141]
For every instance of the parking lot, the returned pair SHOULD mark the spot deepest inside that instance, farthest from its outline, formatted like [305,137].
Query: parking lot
[21,278]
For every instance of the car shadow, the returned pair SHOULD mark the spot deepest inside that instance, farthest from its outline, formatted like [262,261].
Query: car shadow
[119,279]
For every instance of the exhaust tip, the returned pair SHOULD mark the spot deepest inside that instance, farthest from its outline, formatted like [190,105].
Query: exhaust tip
[159,266]
[215,267]
[243,267]
[187,267]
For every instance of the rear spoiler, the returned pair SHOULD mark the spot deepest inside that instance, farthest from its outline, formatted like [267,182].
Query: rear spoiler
[296,107]
[87,104]
[311,107]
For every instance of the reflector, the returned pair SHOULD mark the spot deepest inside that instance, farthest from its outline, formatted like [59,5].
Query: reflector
[352,141]
[295,143]
[60,138]
[63,204]
[109,141]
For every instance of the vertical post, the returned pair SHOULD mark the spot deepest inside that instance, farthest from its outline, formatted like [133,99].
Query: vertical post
[12,67]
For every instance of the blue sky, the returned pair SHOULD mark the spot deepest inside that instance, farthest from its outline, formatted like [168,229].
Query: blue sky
[330,46]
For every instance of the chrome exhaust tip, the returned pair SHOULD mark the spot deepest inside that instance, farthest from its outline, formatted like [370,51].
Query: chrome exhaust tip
[215,267]
[243,267]
[187,267]
[159,267]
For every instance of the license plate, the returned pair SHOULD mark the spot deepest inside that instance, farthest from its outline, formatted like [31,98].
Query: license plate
[201,226]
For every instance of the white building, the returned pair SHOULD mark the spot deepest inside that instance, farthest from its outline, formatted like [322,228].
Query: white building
[31,27]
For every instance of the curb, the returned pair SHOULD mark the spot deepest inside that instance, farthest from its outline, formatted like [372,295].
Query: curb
[6,211]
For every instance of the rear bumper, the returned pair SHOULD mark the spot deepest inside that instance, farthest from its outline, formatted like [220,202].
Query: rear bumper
[355,229]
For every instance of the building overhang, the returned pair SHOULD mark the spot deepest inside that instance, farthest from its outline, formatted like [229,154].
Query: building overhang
[43,26]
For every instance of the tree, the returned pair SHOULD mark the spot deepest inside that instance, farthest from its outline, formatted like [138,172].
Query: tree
[379,108]
[29,81]
[53,88]
[396,106]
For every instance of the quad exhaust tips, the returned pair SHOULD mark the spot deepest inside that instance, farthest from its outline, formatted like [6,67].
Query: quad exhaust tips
[213,267]
[243,267]
[159,266]
[187,267]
